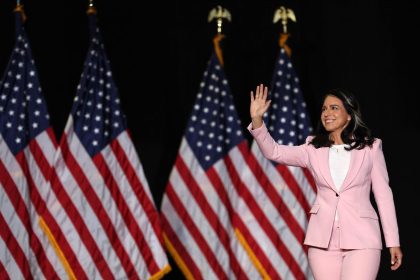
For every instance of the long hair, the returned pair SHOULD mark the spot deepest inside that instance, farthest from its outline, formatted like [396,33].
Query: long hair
[356,133]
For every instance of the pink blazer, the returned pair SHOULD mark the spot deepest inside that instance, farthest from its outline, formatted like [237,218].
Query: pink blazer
[359,224]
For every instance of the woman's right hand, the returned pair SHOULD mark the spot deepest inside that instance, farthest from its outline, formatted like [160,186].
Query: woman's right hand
[259,105]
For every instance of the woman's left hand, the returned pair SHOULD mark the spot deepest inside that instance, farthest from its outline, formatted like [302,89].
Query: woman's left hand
[396,257]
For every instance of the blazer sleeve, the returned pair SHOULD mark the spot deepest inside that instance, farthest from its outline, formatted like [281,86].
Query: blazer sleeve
[384,197]
[288,155]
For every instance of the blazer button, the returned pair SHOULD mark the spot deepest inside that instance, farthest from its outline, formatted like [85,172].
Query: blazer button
[336,194]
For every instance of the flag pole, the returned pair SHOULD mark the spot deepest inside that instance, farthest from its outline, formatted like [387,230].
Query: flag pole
[219,13]
[284,14]
[91,8]
[19,9]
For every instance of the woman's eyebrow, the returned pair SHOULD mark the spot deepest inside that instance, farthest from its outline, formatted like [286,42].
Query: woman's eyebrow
[325,106]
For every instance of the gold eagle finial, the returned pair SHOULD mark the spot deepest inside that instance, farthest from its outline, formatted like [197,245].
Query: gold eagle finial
[219,13]
[284,14]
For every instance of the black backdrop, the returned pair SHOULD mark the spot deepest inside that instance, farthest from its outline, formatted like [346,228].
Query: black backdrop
[158,52]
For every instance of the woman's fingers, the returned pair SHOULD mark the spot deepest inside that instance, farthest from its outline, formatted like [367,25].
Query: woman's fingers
[396,257]
[267,105]
[259,103]
[261,92]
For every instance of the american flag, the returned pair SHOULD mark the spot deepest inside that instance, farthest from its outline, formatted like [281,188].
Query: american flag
[110,225]
[197,208]
[27,148]
[279,197]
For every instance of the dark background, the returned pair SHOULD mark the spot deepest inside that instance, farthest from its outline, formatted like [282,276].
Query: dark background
[159,50]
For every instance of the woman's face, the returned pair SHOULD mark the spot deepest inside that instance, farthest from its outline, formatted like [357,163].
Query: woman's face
[334,116]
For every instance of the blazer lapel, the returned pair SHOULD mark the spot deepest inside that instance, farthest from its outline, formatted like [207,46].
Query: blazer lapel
[356,161]
[324,166]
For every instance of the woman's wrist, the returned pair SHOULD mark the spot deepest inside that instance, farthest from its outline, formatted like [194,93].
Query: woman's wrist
[256,122]
[256,117]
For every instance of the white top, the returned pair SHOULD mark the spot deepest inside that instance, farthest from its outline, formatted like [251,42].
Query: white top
[339,161]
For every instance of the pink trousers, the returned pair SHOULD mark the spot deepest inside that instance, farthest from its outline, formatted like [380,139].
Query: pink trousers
[337,264]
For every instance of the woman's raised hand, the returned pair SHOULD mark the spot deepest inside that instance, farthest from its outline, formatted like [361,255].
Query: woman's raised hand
[259,105]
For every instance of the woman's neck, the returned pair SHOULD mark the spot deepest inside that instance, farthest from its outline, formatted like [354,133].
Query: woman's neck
[336,138]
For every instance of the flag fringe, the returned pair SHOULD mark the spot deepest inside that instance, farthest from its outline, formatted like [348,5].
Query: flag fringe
[251,255]
[57,248]
[181,264]
[161,273]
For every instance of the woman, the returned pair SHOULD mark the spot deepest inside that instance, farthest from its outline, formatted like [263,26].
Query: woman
[347,163]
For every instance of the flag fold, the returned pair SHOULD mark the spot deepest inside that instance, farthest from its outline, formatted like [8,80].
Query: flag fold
[277,198]
[27,148]
[197,208]
[110,228]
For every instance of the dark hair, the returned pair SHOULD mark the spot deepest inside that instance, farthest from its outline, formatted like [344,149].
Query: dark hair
[356,133]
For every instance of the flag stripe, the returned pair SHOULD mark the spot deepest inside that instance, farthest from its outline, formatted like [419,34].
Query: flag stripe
[125,212]
[296,189]
[299,176]
[180,249]
[81,228]
[3,272]
[207,209]
[128,159]
[266,168]
[255,247]
[52,140]
[27,145]
[12,190]
[134,173]
[189,240]
[263,228]
[215,198]
[42,259]
[109,217]
[294,223]
[14,200]
[286,200]
[275,198]
[25,159]
[196,233]
[277,241]
[18,196]
[270,185]
[96,205]
[135,194]
[293,245]
[262,219]
[295,174]
[43,163]
[15,192]
[310,179]
[217,182]
[186,240]
[279,197]
[52,223]
[223,173]
[133,170]
[130,165]
[14,248]
[86,189]
[210,183]
[200,181]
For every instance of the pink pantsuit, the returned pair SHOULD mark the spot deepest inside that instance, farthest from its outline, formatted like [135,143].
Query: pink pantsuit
[358,220]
